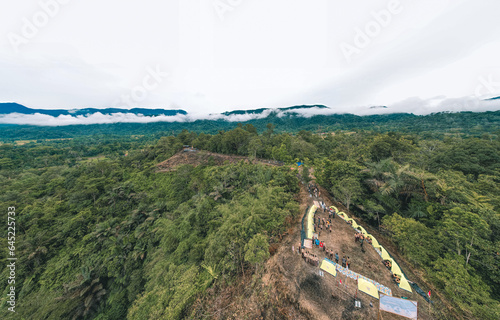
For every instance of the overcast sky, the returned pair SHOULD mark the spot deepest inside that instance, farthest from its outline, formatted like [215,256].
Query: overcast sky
[208,56]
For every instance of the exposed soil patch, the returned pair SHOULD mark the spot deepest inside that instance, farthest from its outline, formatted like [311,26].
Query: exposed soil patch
[196,158]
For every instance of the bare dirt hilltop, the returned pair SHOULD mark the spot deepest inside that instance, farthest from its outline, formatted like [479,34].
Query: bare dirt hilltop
[196,158]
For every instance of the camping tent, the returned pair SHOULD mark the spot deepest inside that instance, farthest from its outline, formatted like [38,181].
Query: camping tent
[404,284]
[375,243]
[395,268]
[385,254]
[334,209]
[310,222]
[329,267]
[363,231]
[368,288]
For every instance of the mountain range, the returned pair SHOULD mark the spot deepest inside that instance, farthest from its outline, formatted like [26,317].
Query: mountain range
[7,108]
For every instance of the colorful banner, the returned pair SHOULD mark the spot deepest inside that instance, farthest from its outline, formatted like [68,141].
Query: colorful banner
[356,276]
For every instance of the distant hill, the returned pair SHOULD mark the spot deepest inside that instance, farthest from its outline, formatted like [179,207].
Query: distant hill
[6,108]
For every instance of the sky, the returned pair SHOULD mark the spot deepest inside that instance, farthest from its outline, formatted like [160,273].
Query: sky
[211,56]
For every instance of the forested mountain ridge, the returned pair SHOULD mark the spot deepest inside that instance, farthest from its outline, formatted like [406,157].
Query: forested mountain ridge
[102,235]
[7,108]
[433,125]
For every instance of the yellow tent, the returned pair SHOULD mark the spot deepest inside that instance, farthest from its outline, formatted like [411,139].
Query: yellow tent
[404,284]
[310,222]
[363,231]
[375,243]
[385,254]
[334,209]
[368,288]
[354,224]
[328,267]
[342,215]
[395,268]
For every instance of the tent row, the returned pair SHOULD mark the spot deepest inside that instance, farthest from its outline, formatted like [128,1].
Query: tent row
[364,284]
[395,269]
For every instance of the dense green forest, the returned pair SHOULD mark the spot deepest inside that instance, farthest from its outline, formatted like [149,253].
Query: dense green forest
[114,239]
[103,235]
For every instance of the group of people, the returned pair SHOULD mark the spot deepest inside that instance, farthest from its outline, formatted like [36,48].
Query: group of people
[331,214]
[309,257]
[313,190]
[358,236]
[331,256]
[322,223]
[346,262]
[396,278]
[313,259]
[388,264]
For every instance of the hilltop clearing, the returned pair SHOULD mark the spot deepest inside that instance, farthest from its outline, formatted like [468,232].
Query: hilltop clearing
[288,287]
[196,158]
